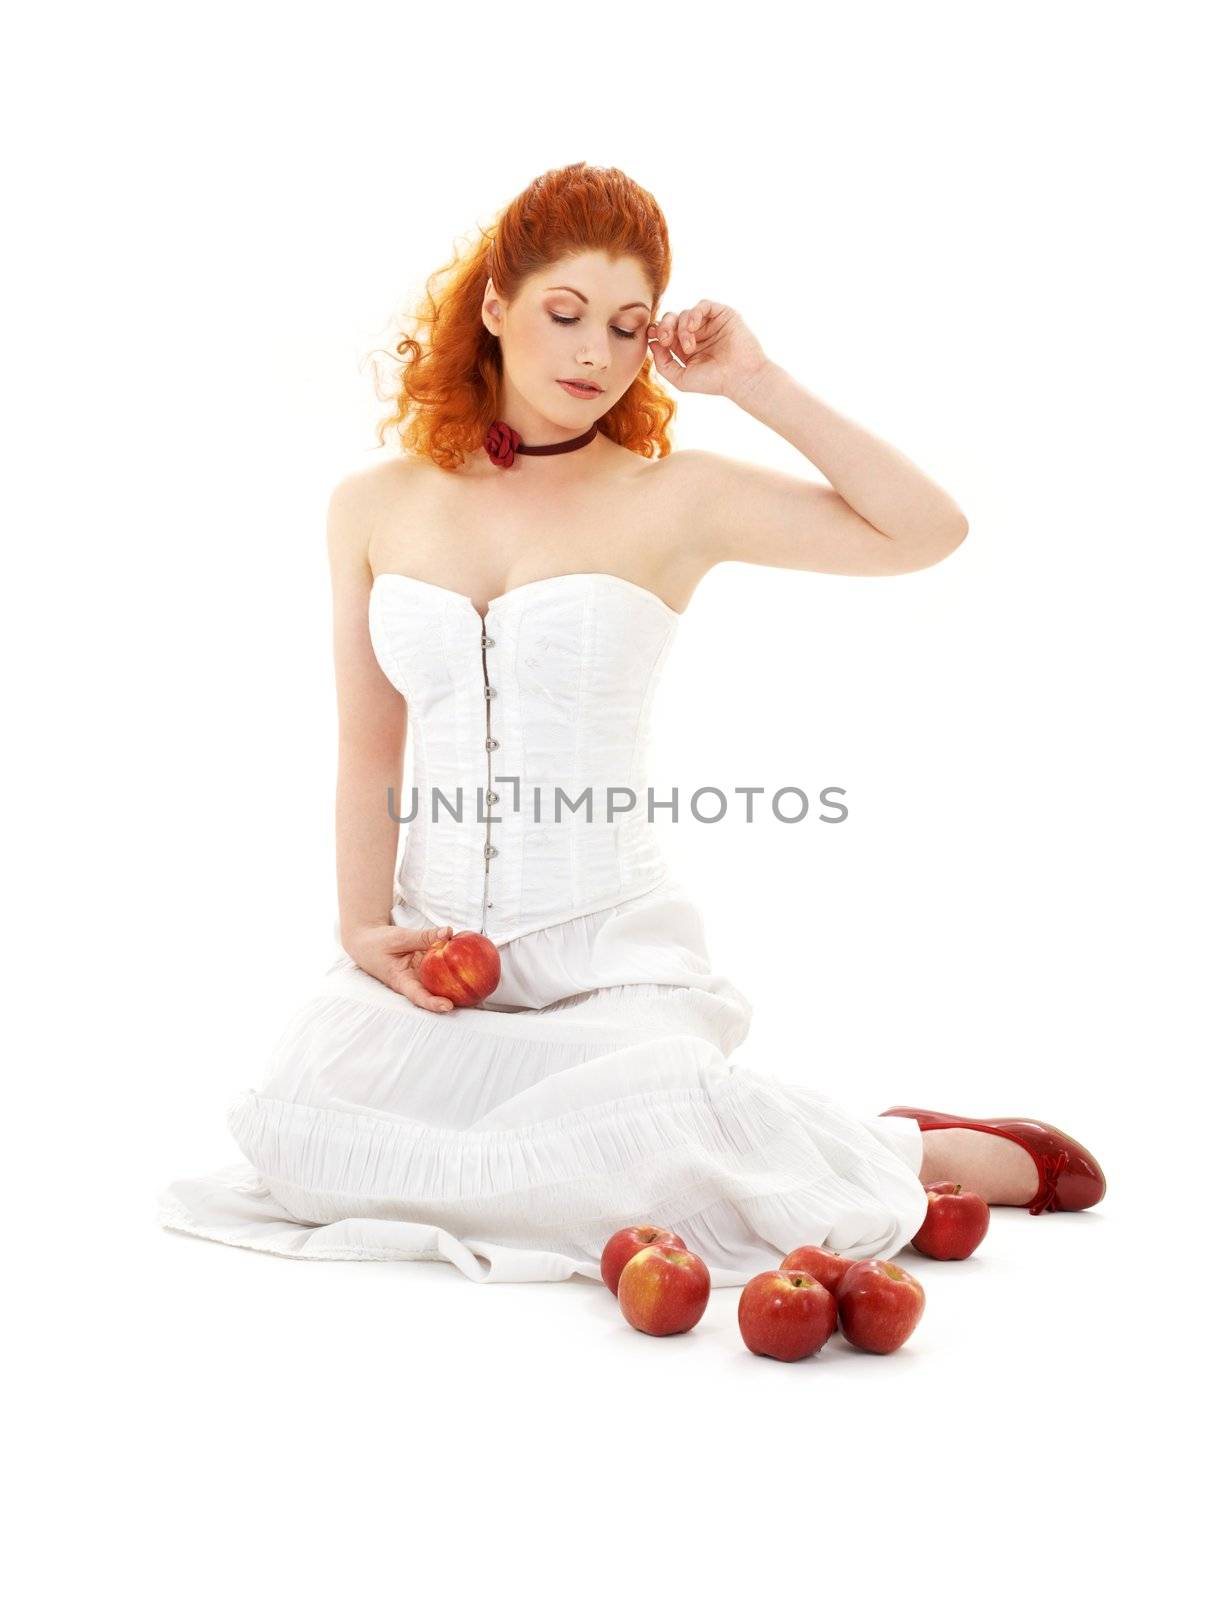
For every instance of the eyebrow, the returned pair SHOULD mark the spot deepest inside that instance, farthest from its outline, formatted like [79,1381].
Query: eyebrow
[630,305]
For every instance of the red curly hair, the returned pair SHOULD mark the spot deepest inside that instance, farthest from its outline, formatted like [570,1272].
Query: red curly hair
[448,386]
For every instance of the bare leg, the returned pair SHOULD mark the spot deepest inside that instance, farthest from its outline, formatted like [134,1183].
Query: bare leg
[999,1170]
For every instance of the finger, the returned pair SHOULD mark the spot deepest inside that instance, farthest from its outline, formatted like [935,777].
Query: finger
[690,323]
[665,363]
[667,339]
[422,938]
[409,986]
[681,329]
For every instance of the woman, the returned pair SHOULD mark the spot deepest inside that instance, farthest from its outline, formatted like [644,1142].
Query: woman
[512,583]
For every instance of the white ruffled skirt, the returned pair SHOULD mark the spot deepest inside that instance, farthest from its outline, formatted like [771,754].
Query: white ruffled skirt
[592,1090]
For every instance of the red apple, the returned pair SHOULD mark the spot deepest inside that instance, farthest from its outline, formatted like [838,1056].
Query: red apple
[828,1266]
[663,1290]
[947,1186]
[786,1314]
[879,1305]
[464,968]
[621,1246]
[956,1220]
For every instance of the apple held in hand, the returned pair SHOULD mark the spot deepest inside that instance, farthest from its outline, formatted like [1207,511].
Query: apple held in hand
[879,1305]
[956,1220]
[828,1266]
[663,1290]
[786,1314]
[464,969]
[627,1242]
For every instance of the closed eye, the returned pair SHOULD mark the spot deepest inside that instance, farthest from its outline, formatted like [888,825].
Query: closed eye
[621,332]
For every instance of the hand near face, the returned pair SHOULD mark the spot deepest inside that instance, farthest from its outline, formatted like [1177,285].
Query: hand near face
[717,351]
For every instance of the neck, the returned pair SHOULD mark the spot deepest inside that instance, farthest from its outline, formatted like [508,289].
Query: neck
[533,427]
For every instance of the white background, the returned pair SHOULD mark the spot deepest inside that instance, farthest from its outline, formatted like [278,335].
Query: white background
[989,234]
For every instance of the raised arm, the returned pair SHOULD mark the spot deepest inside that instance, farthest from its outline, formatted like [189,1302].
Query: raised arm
[878,513]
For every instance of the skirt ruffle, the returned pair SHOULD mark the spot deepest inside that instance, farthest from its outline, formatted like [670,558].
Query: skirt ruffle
[594,1089]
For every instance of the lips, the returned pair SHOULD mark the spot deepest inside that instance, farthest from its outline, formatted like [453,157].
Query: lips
[579,383]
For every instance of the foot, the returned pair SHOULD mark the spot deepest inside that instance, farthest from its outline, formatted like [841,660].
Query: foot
[1002,1172]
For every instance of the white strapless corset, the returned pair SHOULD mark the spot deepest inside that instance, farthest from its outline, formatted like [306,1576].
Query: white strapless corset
[530,746]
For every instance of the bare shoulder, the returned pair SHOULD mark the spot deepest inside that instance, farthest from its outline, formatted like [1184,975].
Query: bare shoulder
[684,473]
[360,498]
[373,485]
[690,463]
[680,468]
[684,484]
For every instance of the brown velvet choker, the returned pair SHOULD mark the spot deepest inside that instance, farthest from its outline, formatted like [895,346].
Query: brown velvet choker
[503,444]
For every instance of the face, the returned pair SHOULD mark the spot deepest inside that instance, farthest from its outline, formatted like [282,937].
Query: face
[584,318]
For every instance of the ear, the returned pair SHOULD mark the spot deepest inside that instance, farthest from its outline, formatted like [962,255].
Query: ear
[491,312]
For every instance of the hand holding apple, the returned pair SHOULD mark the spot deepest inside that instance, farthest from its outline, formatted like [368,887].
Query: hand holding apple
[464,969]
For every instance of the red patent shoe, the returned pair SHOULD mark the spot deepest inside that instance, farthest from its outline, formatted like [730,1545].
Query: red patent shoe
[1070,1176]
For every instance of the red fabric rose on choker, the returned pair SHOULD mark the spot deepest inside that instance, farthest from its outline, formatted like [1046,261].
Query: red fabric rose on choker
[501,442]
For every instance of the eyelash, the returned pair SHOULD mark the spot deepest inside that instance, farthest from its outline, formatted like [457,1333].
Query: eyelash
[567,321]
